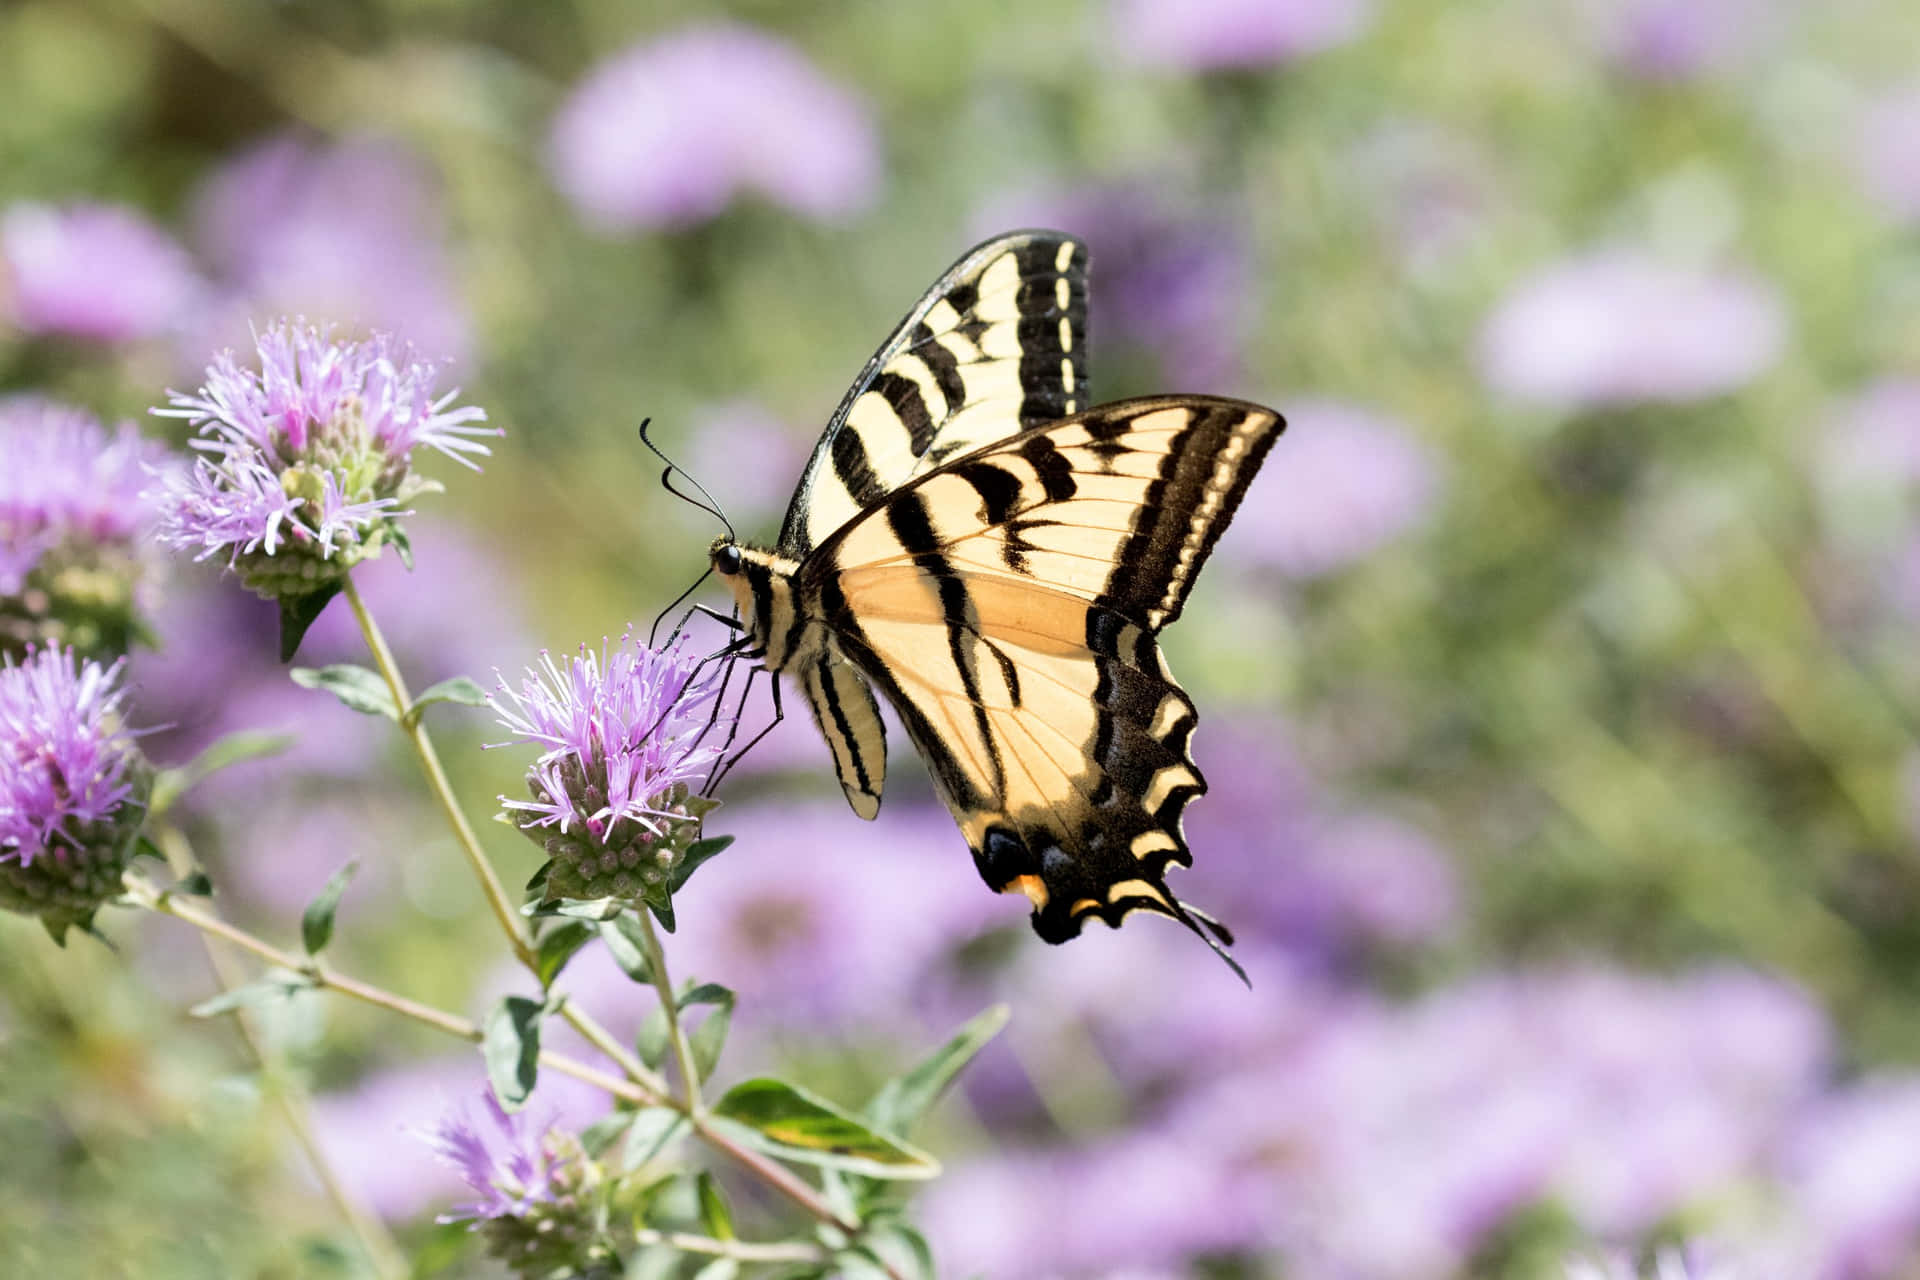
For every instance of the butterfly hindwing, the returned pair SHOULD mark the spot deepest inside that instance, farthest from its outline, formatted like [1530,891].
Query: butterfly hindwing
[849,719]
[1008,604]
[998,344]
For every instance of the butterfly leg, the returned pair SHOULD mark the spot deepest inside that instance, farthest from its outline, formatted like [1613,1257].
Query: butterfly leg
[779,714]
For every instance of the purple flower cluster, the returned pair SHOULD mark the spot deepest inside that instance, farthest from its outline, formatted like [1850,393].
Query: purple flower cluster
[308,460]
[72,785]
[349,229]
[668,132]
[1621,328]
[1218,34]
[626,735]
[94,272]
[69,489]
[502,1158]
[1667,40]
[1889,155]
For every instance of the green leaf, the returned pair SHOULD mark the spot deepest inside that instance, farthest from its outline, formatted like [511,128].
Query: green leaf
[402,544]
[626,943]
[716,1218]
[663,912]
[650,1042]
[902,1245]
[196,883]
[588,908]
[710,1037]
[442,1245]
[144,847]
[597,1137]
[357,688]
[653,1129]
[316,925]
[234,748]
[796,1125]
[512,1049]
[557,946]
[697,853]
[457,689]
[900,1102]
[297,613]
[275,984]
[719,1268]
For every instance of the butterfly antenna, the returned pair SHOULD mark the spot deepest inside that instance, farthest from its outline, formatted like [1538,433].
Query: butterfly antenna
[709,506]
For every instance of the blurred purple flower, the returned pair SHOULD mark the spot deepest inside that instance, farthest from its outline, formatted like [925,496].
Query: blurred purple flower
[502,1158]
[746,454]
[620,731]
[351,230]
[309,458]
[1144,1201]
[1693,1261]
[1617,328]
[1174,281]
[1852,1174]
[669,131]
[97,272]
[1432,189]
[1215,34]
[1889,154]
[1678,39]
[64,479]
[1874,441]
[1347,481]
[816,917]
[69,757]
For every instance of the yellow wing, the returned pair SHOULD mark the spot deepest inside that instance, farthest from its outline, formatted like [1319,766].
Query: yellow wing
[1008,603]
[998,344]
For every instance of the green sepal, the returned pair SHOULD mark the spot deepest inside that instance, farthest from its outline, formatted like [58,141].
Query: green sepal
[899,1103]
[144,847]
[297,613]
[662,909]
[650,1041]
[537,886]
[402,544]
[626,944]
[458,689]
[195,883]
[697,853]
[231,749]
[357,688]
[511,1047]
[716,1216]
[316,923]
[557,946]
[793,1124]
[275,984]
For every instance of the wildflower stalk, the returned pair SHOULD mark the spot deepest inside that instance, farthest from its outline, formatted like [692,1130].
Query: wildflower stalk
[324,977]
[469,842]
[738,1250]
[383,1254]
[670,1006]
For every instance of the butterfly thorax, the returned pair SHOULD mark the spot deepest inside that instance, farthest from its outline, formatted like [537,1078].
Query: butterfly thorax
[763,586]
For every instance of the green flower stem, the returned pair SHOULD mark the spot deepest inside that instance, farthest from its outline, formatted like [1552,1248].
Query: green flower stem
[670,1006]
[146,894]
[496,894]
[383,1255]
[738,1250]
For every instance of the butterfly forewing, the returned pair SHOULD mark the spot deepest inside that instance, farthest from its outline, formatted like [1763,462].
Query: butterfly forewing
[998,344]
[1007,603]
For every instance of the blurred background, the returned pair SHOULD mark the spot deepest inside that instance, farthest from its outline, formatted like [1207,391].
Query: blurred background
[1557,678]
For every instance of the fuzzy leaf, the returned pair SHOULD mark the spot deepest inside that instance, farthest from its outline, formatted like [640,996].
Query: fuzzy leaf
[234,748]
[719,1268]
[440,1247]
[402,544]
[557,946]
[789,1122]
[597,1137]
[653,1129]
[316,925]
[455,689]
[900,1102]
[710,1037]
[297,613]
[650,1042]
[663,912]
[357,688]
[697,853]
[625,942]
[512,1049]
[275,984]
[715,1215]
[586,908]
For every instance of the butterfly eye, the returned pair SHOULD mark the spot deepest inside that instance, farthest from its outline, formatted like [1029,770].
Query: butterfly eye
[727,559]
